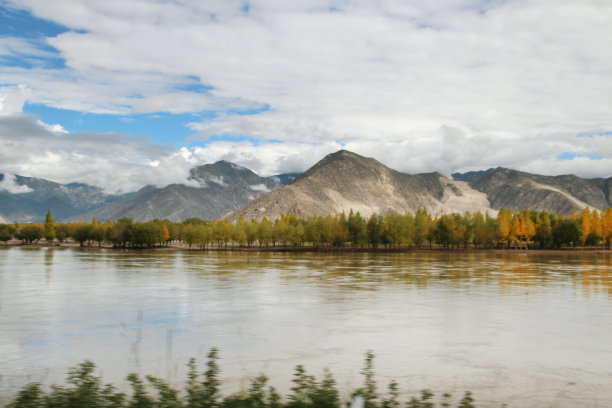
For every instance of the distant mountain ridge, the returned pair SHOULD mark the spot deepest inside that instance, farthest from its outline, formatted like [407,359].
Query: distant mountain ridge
[471,176]
[212,190]
[33,197]
[513,189]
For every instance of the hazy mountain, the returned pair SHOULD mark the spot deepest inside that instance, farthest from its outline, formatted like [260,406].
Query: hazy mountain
[212,190]
[27,199]
[471,176]
[514,189]
[345,180]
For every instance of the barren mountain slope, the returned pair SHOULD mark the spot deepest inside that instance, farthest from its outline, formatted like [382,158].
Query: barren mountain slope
[344,180]
[517,190]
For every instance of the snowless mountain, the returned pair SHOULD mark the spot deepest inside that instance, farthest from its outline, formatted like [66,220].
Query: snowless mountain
[344,180]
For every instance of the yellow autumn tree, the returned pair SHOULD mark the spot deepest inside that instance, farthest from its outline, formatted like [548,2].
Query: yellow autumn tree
[165,234]
[585,222]
[504,218]
[596,222]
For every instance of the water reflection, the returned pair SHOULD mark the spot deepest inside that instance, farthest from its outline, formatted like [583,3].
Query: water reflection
[503,325]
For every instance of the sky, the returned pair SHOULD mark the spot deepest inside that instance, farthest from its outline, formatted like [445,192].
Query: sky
[125,93]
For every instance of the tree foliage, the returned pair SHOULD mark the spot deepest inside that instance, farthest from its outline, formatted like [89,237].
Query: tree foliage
[509,229]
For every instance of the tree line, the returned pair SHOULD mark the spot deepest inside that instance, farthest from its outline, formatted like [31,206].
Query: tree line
[509,229]
[202,390]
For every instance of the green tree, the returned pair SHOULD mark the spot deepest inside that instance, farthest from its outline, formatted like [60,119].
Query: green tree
[83,233]
[30,233]
[251,229]
[593,239]
[49,227]
[374,228]
[567,232]
[97,232]
[357,229]
[423,225]
[190,234]
[312,231]
[121,232]
[264,233]
[543,230]
[443,231]
[6,232]
[63,231]
[239,234]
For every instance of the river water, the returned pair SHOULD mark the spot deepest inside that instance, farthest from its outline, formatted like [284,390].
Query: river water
[525,329]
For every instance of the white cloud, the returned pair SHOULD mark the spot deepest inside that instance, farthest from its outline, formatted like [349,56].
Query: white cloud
[114,162]
[260,187]
[214,179]
[57,128]
[9,183]
[12,99]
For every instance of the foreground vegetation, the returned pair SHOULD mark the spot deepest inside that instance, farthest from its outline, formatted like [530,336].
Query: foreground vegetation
[84,389]
[524,229]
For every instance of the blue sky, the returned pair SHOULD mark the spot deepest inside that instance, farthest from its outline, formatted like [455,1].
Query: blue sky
[161,127]
[126,93]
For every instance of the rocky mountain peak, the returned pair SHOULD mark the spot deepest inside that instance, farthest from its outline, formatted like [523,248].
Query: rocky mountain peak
[343,166]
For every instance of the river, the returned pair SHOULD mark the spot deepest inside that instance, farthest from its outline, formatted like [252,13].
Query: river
[525,329]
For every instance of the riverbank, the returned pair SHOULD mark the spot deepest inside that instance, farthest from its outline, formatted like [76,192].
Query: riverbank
[177,246]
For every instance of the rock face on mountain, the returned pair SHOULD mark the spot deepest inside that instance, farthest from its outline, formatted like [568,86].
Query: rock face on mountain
[344,180]
[27,199]
[517,190]
[212,191]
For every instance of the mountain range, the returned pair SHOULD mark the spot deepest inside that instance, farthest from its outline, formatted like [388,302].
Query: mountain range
[211,191]
[27,199]
[341,181]
[345,180]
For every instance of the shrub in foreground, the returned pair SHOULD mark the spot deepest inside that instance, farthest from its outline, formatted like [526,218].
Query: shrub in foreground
[202,390]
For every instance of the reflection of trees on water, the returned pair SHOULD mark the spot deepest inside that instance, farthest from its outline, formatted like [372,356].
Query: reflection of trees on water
[597,278]
[49,252]
[370,271]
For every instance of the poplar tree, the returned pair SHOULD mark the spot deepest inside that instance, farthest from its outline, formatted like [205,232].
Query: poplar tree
[49,227]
